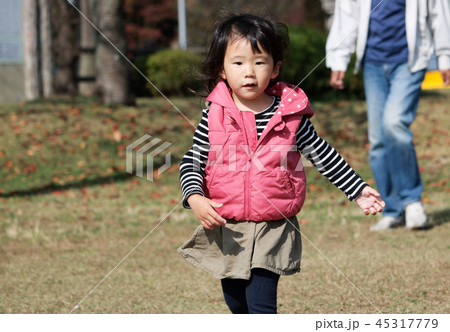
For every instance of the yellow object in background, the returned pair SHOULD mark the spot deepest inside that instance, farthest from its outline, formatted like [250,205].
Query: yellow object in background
[433,80]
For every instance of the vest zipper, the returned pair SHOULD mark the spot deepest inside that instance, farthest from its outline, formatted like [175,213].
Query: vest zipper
[247,177]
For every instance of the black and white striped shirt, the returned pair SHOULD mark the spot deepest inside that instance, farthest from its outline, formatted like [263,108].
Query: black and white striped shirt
[325,158]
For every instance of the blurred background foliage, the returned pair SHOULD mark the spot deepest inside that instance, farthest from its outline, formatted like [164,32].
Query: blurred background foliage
[75,59]
[173,72]
[151,31]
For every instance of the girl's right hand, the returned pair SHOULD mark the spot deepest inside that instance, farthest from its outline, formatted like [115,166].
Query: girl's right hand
[204,211]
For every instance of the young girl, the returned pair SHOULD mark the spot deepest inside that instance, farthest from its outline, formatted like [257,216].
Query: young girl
[243,176]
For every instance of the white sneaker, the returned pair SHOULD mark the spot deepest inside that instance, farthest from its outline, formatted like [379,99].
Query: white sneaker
[415,215]
[388,222]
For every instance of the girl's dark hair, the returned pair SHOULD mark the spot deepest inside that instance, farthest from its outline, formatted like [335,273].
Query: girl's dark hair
[272,37]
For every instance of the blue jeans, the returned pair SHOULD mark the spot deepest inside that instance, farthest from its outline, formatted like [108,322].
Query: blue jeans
[392,95]
[255,296]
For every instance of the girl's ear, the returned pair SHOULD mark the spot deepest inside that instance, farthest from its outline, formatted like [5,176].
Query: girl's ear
[276,70]
[222,75]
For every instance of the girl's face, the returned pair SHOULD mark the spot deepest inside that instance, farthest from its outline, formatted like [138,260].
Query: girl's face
[248,74]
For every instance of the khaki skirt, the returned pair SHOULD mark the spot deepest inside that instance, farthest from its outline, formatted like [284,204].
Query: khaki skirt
[233,250]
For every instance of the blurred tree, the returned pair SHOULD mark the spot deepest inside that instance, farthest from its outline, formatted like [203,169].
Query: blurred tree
[202,14]
[37,49]
[46,48]
[312,15]
[150,25]
[65,22]
[30,51]
[113,71]
[88,42]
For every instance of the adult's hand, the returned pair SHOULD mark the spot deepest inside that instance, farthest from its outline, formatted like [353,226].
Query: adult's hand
[337,79]
[446,76]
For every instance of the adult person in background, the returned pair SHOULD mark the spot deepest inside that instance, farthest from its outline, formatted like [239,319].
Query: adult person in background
[393,41]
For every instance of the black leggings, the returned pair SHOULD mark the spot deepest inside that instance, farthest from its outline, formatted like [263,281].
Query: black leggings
[255,296]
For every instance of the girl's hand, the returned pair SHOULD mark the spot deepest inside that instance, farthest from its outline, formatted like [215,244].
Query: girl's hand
[204,211]
[369,201]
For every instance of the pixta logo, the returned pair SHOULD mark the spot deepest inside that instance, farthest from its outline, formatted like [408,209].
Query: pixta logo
[150,150]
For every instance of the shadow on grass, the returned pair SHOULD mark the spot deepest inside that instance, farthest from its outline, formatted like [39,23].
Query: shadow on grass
[440,217]
[73,185]
[436,93]
[436,219]
[115,177]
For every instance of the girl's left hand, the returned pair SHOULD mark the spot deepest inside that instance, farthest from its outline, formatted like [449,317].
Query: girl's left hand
[369,201]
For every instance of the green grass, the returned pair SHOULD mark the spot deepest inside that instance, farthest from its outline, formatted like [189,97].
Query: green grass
[72,217]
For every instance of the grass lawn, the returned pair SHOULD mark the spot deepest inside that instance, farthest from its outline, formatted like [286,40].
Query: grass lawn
[69,214]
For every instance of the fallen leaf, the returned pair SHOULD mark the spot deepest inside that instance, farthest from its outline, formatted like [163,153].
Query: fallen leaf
[30,169]
[75,111]
[155,195]
[313,188]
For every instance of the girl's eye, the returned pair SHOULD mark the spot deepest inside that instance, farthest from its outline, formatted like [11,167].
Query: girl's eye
[238,63]
[260,63]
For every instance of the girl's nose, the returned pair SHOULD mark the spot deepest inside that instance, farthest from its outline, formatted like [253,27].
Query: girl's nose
[249,71]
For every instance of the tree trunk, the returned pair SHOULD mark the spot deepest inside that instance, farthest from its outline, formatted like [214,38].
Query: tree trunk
[65,21]
[113,74]
[30,49]
[88,37]
[46,48]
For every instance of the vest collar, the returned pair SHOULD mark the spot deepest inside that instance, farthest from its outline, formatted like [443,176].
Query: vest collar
[293,99]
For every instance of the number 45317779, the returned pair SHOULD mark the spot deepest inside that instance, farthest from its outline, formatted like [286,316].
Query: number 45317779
[407,323]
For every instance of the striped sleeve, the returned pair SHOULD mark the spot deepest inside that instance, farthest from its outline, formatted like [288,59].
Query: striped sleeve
[328,161]
[192,166]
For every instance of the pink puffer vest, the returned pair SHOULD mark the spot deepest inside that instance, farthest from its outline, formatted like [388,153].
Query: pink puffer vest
[255,179]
